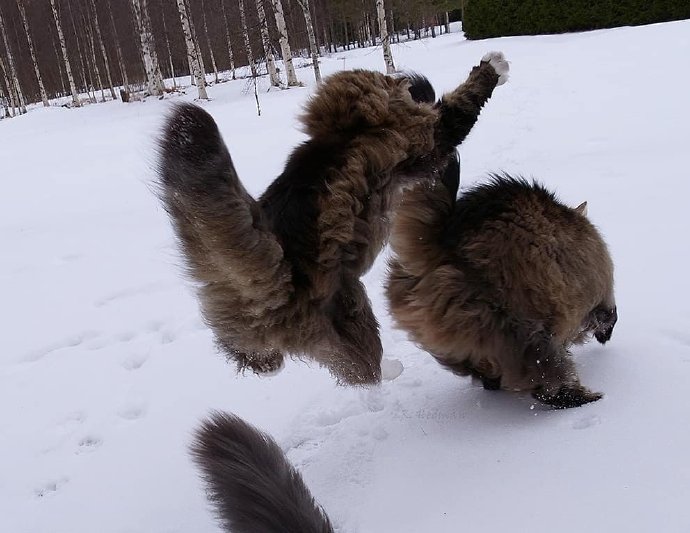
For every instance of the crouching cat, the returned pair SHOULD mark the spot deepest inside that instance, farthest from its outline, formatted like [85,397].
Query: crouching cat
[280,275]
[501,283]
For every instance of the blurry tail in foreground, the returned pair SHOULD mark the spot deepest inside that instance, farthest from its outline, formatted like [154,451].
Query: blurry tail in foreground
[252,485]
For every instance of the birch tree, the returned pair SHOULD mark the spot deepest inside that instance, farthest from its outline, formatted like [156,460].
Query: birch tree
[118,49]
[25,24]
[154,78]
[385,37]
[285,51]
[268,49]
[247,44]
[304,4]
[227,38]
[94,60]
[14,78]
[192,51]
[11,102]
[5,104]
[85,83]
[208,41]
[101,45]
[167,45]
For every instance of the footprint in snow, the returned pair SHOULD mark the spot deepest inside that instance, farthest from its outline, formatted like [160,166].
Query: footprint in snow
[586,422]
[134,362]
[69,342]
[88,444]
[50,488]
[132,411]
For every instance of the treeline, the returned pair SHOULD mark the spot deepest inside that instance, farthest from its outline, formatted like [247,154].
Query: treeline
[115,48]
[495,18]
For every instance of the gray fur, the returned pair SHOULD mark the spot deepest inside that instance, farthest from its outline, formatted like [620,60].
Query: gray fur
[250,482]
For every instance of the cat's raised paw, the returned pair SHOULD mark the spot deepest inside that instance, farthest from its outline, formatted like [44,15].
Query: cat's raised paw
[498,61]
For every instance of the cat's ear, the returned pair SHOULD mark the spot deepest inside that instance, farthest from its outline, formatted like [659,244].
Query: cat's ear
[582,209]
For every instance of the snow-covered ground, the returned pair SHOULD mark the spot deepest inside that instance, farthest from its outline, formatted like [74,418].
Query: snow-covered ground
[106,367]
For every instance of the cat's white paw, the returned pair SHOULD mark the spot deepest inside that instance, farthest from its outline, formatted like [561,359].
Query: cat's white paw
[501,66]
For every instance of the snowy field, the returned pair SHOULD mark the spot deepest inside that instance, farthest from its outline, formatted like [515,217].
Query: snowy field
[106,367]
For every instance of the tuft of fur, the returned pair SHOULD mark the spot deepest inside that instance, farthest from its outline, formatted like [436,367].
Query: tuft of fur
[251,484]
[280,275]
[501,283]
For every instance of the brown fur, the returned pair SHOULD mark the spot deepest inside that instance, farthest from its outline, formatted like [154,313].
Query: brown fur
[500,284]
[281,275]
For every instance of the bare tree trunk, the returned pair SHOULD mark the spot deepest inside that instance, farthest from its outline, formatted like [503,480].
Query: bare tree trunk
[167,45]
[385,37]
[118,50]
[65,58]
[59,64]
[94,60]
[266,41]
[101,45]
[4,103]
[434,22]
[304,4]
[25,24]
[12,69]
[227,38]
[154,77]
[208,42]
[446,22]
[247,44]
[192,51]
[195,40]
[10,91]
[285,51]
[85,83]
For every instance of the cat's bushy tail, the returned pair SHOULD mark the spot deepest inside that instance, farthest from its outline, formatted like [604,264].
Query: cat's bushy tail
[252,485]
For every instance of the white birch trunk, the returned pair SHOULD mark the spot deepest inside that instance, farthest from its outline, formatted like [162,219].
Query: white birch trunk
[385,37]
[12,69]
[192,51]
[11,104]
[84,82]
[118,50]
[247,44]
[59,64]
[65,58]
[208,42]
[292,80]
[195,40]
[268,49]
[154,78]
[94,60]
[227,38]
[101,45]
[5,104]
[304,4]
[167,46]
[25,24]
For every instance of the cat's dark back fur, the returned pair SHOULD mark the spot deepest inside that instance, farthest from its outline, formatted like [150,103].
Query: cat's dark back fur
[500,283]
